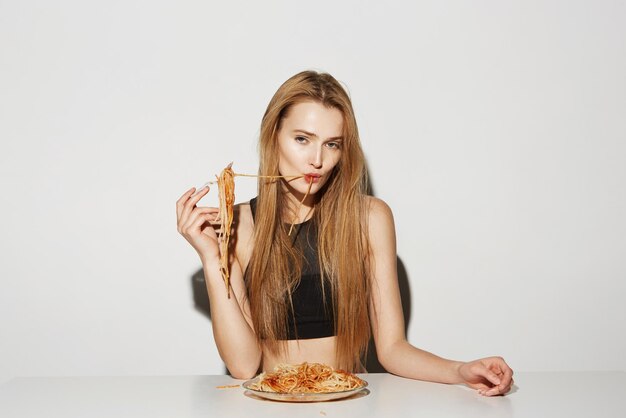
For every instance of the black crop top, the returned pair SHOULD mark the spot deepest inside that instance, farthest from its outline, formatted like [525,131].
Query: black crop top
[313,313]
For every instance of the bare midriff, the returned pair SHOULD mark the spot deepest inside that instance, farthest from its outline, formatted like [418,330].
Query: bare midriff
[315,350]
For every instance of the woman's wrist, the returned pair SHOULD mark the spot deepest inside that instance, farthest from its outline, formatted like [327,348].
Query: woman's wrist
[213,275]
[456,371]
[212,269]
[209,261]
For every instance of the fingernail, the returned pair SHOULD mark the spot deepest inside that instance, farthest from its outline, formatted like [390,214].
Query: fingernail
[201,188]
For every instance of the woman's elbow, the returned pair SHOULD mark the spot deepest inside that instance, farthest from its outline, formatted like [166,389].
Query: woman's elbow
[243,370]
[388,355]
[241,373]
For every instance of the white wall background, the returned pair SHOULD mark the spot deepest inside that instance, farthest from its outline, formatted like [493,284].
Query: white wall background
[494,129]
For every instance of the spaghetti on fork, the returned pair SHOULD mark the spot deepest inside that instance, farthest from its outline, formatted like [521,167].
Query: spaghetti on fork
[226,193]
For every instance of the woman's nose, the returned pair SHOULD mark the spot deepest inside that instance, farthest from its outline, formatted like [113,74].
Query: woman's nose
[317,158]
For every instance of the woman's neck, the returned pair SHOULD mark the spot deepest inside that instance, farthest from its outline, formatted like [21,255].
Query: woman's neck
[299,206]
[299,210]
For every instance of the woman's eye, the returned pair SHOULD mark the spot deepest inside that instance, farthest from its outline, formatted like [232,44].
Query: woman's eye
[301,139]
[333,145]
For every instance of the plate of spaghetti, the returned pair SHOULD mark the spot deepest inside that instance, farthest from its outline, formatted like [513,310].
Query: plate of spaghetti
[306,382]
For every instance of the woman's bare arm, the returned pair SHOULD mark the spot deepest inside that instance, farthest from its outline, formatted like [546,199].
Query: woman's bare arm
[490,376]
[232,327]
[394,352]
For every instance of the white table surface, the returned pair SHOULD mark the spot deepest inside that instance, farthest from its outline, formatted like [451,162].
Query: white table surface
[554,394]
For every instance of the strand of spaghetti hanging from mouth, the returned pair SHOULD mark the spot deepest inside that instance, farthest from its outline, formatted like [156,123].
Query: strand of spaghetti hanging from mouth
[295,215]
[226,193]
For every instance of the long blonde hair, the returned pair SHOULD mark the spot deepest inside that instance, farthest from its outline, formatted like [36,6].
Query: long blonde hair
[275,265]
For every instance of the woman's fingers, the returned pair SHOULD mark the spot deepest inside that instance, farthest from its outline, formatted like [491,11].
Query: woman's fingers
[181,201]
[197,218]
[189,200]
[482,370]
[491,376]
[201,220]
[498,390]
[507,380]
[504,375]
[199,233]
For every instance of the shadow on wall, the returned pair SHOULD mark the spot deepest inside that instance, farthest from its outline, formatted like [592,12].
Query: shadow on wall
[201,303]
[201,298]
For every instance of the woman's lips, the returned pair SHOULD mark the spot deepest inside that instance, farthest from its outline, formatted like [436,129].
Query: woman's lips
[312,177]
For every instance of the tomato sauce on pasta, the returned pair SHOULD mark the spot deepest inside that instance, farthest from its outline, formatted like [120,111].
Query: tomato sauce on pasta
[307,378]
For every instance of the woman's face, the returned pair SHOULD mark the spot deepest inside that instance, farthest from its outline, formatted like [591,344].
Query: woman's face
[310,145]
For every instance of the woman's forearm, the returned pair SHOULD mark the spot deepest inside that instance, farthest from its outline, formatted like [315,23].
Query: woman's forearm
[405,360]
[235,339]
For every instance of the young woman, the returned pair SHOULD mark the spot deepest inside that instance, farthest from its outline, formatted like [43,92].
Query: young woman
[313,265]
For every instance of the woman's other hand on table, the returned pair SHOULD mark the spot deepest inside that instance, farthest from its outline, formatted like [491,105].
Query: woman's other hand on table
[490,375]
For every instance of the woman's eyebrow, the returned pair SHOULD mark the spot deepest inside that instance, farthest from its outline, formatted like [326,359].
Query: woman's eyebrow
[302,131]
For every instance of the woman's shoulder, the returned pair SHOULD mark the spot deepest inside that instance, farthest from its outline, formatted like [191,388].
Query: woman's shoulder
[379,218]
[376,208]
